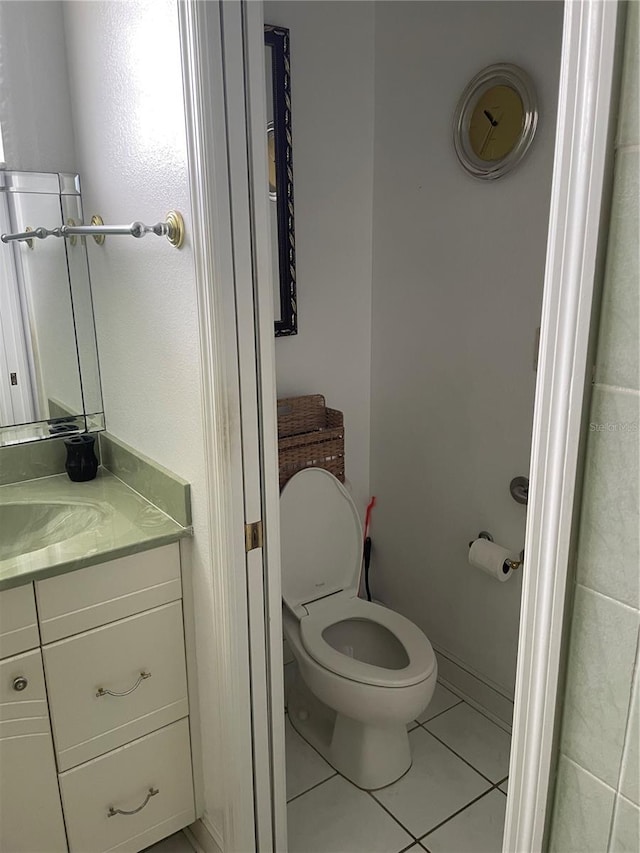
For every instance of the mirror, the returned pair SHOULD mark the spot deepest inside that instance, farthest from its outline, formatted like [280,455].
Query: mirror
[48,353]
[280,180]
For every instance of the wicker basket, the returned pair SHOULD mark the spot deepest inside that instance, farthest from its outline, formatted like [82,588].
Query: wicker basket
[309,436]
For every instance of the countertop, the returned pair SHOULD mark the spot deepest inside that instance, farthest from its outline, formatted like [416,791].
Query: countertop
[119,522]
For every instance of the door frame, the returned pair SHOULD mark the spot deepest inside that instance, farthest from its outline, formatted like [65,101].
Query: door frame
[254,765]
[223,69]
[562,393]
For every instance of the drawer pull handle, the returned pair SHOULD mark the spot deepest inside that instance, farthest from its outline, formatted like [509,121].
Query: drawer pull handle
[103,692]
[150,793]
[20,683]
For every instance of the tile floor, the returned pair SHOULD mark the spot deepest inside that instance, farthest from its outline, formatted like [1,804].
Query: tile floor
[177,843]
[452,800]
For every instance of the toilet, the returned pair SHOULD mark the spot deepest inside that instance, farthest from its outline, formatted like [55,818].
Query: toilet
[363,671]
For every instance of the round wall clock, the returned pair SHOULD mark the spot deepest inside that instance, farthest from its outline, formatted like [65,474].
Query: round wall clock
[495,121]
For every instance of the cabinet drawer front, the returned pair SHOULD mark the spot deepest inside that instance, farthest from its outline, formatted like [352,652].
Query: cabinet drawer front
[141,658]
[18,621]
[79,601]
[123,780]
[23,698]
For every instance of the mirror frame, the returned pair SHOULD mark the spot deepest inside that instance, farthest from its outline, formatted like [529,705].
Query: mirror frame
[277,39]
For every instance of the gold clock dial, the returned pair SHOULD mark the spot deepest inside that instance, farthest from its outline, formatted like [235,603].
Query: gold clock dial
[496,123]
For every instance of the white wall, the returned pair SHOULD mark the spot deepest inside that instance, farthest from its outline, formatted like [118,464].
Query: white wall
[332,118]
[457,289]
[126,91]
[35,111]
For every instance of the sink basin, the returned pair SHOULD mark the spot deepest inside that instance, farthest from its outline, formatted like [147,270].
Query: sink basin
[26,527]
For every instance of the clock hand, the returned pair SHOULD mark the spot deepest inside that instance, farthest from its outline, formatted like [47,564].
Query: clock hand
[486,140]
[494,123]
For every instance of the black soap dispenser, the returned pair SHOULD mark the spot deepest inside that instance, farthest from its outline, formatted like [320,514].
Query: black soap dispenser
[82,463]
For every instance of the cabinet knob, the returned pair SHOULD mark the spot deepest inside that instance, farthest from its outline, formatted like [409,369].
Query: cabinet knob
[20,683]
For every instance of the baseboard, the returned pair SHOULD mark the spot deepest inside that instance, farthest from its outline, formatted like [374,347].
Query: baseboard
[474,689]
[203,837]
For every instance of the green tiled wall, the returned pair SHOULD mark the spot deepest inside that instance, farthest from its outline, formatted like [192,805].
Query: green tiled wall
[596,808]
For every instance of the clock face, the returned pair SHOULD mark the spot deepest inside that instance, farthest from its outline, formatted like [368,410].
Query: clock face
[495,121]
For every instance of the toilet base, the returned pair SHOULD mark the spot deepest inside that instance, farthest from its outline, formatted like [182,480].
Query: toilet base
[370,756]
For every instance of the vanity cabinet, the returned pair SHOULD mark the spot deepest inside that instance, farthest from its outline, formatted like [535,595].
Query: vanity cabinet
[118,766]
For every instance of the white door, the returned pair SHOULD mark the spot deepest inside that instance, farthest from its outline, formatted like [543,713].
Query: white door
[222,46]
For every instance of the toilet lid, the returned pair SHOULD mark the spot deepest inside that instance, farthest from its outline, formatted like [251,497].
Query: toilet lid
[320,537]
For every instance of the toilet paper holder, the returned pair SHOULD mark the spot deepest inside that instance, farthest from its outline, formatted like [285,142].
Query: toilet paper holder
[513,564]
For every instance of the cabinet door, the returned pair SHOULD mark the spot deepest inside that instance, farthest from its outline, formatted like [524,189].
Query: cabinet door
[18,621]
[29,797]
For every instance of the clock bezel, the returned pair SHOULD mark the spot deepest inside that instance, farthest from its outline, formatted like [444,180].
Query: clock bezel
[500,74]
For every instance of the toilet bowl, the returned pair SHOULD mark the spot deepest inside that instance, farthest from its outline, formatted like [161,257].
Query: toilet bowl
[363,671]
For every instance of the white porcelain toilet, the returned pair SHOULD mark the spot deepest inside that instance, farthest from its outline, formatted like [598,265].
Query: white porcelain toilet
[364,671]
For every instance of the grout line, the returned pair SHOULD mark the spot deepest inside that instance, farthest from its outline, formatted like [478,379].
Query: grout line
[501,782]
[455,814]
[620,389]
[317,785]
[597,592]
[384,808]
[487,717]
[287,714]
[468,763]
[440,713]
[409,846]
[625,744]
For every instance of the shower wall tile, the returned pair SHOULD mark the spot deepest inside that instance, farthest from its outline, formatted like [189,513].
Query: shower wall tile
[630,775]
[618,354]
[625,837]
[628,125]
[602,650]
[582,811]
[600,722]
[608,546]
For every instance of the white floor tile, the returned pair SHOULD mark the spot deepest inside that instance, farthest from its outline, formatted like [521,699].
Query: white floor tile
[411,726]
[176,843]
[477,829]
[436,786]
[305,768]
[336,817]
[475,738]
[440,701]
[505,786]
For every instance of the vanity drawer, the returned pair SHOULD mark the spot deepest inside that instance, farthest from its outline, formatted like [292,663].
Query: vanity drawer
[141,658]
[79,601]
[18,621]
[123,779]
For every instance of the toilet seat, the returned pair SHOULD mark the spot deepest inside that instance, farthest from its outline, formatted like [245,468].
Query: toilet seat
[321,548]
[422,661]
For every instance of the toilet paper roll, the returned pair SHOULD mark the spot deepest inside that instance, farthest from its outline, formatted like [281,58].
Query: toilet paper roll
[491,557]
